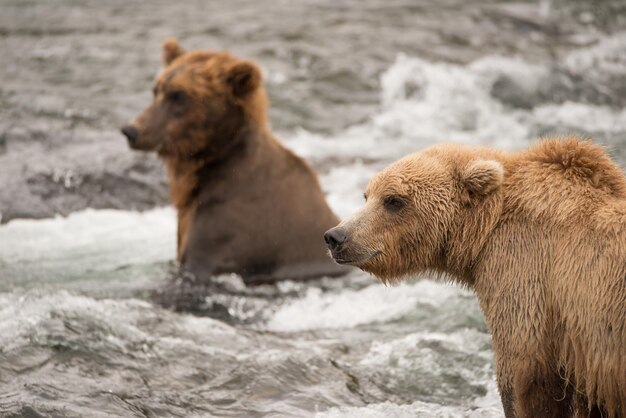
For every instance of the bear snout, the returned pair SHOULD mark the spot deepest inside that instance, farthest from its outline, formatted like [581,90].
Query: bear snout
[131,134]
[335,237]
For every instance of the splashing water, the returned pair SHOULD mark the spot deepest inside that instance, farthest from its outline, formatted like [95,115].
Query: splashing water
[79,337]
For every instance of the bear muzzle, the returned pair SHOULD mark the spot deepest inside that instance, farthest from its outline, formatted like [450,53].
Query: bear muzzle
[131,133]
[335,237]
[337,240]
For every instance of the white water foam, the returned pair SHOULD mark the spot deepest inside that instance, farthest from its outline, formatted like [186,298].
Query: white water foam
[113,237]
[423,103]
[419,410]
[345,185]
[40,317]
[414,410]
[574,117]
[427,355]
[350,308]
[403,352]
[101,252]
[605,59]
[32,316]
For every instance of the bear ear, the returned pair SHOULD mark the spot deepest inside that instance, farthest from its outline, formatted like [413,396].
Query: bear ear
[243,78]
[482,177]
[171,50]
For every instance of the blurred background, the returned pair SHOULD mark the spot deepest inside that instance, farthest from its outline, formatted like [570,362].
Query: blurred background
[86,231]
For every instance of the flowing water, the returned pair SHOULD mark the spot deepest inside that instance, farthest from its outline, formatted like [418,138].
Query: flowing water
[354,85]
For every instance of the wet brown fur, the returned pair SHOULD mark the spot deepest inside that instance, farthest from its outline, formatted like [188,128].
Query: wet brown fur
[245,203]
[540,236]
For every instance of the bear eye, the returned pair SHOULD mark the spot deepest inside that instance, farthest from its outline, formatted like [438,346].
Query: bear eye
[365,196]
[394,203]
[176,97]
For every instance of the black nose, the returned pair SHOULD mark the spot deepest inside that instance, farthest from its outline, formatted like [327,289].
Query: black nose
[334,237]
[131,133]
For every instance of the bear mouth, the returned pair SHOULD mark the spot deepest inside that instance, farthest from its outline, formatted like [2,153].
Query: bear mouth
[355,261]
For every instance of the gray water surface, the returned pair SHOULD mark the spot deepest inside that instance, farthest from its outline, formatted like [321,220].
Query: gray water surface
[354,85]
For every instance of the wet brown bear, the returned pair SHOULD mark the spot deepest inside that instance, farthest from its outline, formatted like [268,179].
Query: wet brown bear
[245,203]
[540,236]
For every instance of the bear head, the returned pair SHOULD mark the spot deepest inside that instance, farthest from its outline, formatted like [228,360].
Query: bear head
[414,209]
[202,101]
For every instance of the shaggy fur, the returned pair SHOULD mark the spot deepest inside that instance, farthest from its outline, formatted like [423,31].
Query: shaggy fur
[540,236]
[245,203]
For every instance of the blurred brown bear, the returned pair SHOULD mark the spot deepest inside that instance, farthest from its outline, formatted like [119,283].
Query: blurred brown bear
[245,203]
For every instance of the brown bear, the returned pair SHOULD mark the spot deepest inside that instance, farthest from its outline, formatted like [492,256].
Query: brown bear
[540,236]
[245,203]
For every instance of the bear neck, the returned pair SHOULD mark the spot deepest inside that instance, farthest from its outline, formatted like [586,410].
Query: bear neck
[188,176]
[463,251]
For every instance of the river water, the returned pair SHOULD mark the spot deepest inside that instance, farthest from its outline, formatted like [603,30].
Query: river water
[354,85]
